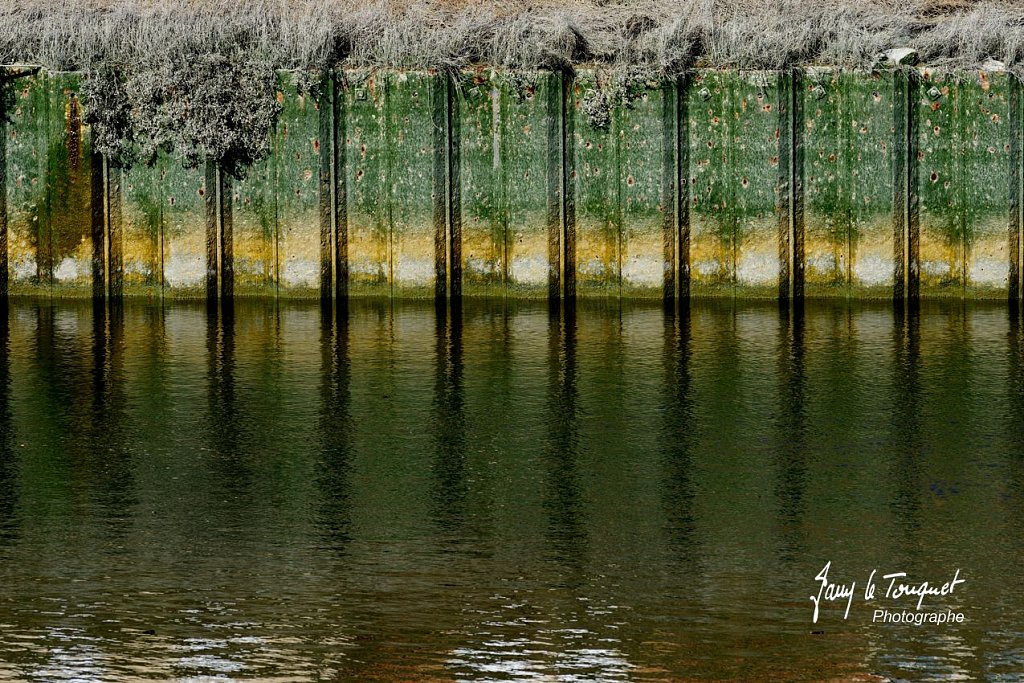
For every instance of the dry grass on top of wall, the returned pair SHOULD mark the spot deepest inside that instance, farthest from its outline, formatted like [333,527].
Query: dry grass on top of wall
[660,34]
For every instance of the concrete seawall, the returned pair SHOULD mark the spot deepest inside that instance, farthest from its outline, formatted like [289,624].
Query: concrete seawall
[817,182]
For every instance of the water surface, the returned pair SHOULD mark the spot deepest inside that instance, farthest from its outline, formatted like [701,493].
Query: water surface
[505,492]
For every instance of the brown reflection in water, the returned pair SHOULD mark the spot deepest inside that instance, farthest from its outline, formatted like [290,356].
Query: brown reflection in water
[1014,492]
[9,521]
[78,358]
[791,455]
[449,488]
[334,512]
[113,462]
[230,461]
[566,535]
[678,435]
[906,420]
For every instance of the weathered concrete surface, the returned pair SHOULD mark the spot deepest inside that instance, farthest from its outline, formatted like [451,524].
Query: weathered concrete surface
[963,183]
[508,184]
[621,200]
[369,219]
[848,183]
[144,204]
[755,139]
[390,146]
[648,179]
[481,181]
[255,231]
[412,102]
[184,226]
[734,144]
[49,189]
[595,177]
[532,169]
[295,164]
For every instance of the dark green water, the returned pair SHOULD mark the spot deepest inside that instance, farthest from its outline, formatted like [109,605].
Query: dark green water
[504,493]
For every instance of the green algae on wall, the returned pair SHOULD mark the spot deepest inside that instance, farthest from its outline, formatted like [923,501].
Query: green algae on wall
[648,177]
[394,202]
[963,184]
[505,189]
[255,231]
[366,176]
[144,203]
[295,186]
[848,176]
[480,210]
[274,240]
[624,177]
[49,189]
[503,183]
[417,105]
[184,228]
[734,151]
[594,170]
[531,155]
[756,137]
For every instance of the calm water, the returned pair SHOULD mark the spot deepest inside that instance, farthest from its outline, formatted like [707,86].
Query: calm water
[506,493]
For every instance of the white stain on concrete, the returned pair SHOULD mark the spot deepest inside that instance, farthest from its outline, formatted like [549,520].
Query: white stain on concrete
[368,267]
[250,265]
[297,272]
[137,267]
[757,268]
[24,269]
[989,271]
[412,271]
[872,270]
[475,264]
[935,268]
[707,268]
[183,270]
[592,267]
[66,271]
[643,271]
[529,270]
[821,263]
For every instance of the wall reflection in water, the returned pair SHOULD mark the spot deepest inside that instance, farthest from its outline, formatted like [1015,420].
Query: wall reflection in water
[503,490]
[8,465]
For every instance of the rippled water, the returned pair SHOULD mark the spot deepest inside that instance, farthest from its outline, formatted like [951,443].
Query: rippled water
[505,492]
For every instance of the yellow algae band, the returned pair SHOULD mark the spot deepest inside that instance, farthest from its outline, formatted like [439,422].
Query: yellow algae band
[817,182]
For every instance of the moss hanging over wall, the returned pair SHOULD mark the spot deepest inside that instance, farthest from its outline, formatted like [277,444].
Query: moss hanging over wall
[209,107]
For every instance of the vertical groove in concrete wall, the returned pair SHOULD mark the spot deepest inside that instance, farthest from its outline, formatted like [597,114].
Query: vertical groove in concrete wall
[568,252]
[340,192]
[98,224]
[439,112]
[226,219]
[1016,186]
[901,144]
[670,182]
[44,252]
[326,172]
[913,222]
[683,203]
[555,170]
[786,86]
[453,132]
[797,185]
[3,192]
[115,232]
[209,192]
[500,114]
